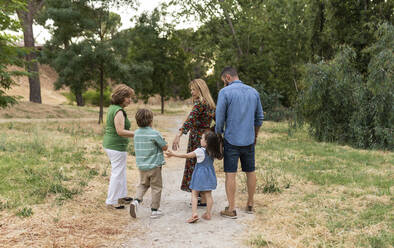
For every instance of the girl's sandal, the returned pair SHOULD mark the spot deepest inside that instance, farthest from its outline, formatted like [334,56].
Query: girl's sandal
[193,219]
[205,216]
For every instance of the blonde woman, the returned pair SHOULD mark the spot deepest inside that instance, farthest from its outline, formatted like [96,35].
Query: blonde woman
[116,139]
[198,121]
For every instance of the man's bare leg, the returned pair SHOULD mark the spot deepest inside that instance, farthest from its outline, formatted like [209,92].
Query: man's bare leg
[230,189]
[251,184]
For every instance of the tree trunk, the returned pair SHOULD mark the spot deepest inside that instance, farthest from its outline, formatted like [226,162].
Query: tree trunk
[79,98]
[162,104]
[26,18]
[101,96]
[230,23]
[322,23]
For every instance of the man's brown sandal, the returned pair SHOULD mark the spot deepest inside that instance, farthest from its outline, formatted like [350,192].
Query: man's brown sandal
[249,209]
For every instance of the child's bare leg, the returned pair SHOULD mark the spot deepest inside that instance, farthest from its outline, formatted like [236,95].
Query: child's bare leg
[208,196]
[194,202]
[203,200]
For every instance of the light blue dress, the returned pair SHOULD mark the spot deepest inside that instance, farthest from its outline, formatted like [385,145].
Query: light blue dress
[204,176]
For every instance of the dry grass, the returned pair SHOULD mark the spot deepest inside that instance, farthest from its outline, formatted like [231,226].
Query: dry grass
[342,209]
[289,220]
[47,78]
[81,222]
[303,213]
[84,220]
[29,110]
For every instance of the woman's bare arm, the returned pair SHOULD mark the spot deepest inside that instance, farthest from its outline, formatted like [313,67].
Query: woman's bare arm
[119,126]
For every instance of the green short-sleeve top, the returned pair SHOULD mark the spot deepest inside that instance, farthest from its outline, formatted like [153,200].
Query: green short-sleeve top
[112,140]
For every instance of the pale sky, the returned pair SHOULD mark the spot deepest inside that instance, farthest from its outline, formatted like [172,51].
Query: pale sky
[41,35]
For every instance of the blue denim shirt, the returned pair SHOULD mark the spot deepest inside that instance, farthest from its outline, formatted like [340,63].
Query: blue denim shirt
[239,109]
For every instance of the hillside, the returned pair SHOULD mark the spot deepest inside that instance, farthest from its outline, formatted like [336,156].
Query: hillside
[47,78]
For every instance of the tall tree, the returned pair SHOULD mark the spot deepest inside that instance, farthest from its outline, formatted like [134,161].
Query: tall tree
[71,20]
[264,40]
[26,17]
[158,48]
[8,50]
[105,62]
[82,49]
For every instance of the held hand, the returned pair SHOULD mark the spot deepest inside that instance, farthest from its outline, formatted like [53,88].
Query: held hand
[169,153]
[175,143]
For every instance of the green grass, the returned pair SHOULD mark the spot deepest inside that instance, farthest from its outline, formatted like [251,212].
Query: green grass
[354,188]
[328,164]
[41,159]
[259,241]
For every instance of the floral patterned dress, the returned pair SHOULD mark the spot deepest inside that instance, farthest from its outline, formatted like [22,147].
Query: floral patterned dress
[197,122]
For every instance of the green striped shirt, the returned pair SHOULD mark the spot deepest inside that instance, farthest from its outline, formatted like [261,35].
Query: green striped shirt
[148,144]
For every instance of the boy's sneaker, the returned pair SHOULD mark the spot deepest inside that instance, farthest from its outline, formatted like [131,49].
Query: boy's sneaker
[156,214]
[228,214]
[133,208]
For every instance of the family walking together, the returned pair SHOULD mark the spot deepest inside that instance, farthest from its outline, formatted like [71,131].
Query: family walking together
[238,116]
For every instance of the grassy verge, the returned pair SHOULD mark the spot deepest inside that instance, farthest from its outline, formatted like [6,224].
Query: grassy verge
[44,159]
[54,180]
[314,194]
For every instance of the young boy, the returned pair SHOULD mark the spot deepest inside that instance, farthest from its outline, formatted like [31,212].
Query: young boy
[149,146]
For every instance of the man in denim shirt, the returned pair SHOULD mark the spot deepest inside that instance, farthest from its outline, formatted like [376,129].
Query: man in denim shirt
[238,110]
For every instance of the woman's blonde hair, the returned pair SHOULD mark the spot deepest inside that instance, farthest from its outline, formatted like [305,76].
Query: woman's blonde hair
[121,92]
[203,91]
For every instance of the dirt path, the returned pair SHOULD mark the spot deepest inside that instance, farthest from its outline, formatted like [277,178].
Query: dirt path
[171,230]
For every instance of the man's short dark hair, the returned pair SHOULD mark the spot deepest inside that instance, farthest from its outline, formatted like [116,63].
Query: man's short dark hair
[144,117]
[230,71]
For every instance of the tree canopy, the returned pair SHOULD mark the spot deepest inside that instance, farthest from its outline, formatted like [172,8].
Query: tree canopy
[329,60]
[8,49]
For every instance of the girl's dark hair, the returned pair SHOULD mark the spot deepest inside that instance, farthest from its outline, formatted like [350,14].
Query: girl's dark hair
[214,144]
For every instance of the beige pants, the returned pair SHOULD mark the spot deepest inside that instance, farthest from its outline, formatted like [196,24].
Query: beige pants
[151,178]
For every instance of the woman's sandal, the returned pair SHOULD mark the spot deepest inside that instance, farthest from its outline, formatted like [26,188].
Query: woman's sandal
[193,219]
[115,206]
[205,216]
[125,200]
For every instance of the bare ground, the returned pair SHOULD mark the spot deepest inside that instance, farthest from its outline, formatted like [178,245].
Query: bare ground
[85,222]
[171,230]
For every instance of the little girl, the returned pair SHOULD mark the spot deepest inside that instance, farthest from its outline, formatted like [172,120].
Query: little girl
[203,178]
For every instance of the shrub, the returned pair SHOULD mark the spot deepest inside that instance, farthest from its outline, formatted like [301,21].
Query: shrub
[272,107]
[92,97]
[373,121]
[341,105]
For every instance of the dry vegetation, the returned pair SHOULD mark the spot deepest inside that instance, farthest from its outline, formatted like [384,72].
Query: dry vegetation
[314,194]
[47,78]
[29,110]
[56,176]
[309,194]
